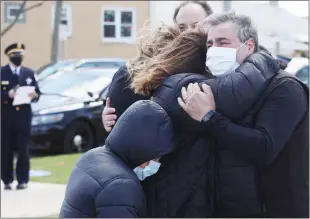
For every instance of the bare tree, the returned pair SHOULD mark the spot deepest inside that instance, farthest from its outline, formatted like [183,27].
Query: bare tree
[22,10]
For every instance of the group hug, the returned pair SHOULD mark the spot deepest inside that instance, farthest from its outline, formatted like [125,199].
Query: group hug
[203,122]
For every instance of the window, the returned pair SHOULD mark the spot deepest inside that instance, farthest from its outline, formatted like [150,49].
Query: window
[52,69]
[66,17]
[119,25]
[66,81]
[77,82]
[103,64]
[109,26]
[303,74]
[11,10]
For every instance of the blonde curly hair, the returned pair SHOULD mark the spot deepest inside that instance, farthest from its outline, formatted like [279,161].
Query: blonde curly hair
[167,50]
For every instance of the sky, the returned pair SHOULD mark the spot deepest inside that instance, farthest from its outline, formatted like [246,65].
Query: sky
[299,8]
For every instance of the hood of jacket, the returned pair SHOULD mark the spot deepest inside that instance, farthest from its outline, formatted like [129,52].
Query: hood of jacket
[143,132]
[265,63]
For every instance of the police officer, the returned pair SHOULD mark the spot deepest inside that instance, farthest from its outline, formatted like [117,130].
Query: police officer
[15,120]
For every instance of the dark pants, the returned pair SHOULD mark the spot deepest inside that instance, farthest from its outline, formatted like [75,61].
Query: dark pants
[15,133]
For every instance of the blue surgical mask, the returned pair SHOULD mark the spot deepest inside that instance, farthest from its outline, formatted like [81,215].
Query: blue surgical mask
[147,171]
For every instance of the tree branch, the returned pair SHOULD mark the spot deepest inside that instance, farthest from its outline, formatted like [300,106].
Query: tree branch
[21,11]
[15,20]
[34,6]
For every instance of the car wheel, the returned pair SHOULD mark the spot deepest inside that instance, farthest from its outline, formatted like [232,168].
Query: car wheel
[79,137]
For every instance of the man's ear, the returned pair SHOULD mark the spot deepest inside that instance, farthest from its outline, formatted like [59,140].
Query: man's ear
[251,46]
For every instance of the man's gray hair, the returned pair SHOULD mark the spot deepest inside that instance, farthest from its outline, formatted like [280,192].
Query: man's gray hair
[245,28]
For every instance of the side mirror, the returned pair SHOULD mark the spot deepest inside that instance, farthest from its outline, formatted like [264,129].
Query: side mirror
[93,95]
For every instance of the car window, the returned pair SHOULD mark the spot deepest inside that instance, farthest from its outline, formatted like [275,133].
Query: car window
[103,64]
[53,69]
[303,74]
[38,71]
[296,64]
[78,81]
[60,83]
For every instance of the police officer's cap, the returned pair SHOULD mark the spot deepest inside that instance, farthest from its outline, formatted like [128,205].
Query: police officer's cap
[15,48]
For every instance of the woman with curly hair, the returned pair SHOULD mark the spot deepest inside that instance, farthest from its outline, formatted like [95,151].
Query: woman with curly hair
[173,51]
[120,96]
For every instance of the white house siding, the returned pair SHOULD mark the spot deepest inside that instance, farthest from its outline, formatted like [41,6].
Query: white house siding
[273,23]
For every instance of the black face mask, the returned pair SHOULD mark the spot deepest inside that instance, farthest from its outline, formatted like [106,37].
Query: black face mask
[16,60]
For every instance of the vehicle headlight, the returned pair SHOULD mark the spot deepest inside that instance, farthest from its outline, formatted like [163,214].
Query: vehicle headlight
[47,119]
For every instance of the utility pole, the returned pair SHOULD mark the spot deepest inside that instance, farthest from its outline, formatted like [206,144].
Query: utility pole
[55,37]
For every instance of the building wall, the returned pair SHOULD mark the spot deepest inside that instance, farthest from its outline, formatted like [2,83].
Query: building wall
[270,20]
[85,42]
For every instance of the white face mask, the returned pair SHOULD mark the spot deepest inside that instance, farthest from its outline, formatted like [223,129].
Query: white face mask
[222,60]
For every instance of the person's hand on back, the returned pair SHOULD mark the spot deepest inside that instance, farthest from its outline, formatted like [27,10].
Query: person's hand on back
[195,102]
[108,116]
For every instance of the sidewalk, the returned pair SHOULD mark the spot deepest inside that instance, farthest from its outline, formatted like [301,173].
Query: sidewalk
[39,200]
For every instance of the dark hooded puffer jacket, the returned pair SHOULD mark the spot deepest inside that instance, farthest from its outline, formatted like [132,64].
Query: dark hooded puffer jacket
[103,184]
[198,180]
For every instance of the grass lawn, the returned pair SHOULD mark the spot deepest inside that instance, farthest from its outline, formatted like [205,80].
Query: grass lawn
[59,165]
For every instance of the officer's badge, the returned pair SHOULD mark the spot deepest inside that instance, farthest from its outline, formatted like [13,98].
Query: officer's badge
[28,80]
[5,82]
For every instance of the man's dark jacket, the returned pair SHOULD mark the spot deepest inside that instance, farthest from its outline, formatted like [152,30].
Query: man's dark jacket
[188,184]
[261,163]
[103,183]
[285,181]
[214,181]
